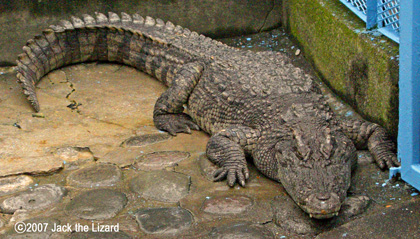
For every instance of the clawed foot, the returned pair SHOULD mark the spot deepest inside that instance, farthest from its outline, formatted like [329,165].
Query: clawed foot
[233,174]
[175,123]
[382,149]
[385,159]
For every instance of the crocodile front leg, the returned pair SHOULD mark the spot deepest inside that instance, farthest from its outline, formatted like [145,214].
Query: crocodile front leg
[365,134]
[168,112]
[227,149]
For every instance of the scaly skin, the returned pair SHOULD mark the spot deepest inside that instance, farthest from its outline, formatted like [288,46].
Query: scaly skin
[255,104]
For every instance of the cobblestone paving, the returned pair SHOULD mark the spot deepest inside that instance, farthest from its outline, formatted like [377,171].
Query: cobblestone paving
[92,165]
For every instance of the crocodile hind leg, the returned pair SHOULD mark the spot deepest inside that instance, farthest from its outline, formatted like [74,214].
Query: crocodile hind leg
[365,134]
[227,149]
[168,112]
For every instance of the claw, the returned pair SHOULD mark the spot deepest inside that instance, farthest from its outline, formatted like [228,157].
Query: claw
[381,165]
[193,125]
[389,164]
[183,128]
[187,130]
[175,123]
[396,163]
[232,175]
[241,178]
[246,172]
[242,183]
[387,160]
[219,174]
[231,178]
[171,132]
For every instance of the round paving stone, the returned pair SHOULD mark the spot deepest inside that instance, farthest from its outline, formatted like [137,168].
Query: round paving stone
[241,231]
[14,184]
[97,204]
[142,140]
[99,235]
[98,175]
[123,157]
[74,156]
[35,199]
[162,186]
[160,160]
[163,220]
[227,205]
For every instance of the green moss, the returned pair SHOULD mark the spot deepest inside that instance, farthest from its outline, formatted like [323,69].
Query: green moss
[357,66]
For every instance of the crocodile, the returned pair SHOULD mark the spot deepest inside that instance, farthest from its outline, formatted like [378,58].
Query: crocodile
[255,105]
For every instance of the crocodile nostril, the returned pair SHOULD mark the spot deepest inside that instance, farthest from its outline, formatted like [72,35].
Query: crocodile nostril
[323,196]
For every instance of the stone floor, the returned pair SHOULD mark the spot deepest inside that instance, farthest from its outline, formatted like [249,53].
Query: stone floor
[92,160]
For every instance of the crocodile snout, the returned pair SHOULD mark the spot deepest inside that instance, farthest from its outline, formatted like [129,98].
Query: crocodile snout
[322,205]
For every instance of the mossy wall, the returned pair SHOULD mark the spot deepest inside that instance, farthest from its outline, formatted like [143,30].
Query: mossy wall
[360,67]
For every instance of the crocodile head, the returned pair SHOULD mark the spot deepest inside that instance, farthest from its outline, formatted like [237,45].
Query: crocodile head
[314,166]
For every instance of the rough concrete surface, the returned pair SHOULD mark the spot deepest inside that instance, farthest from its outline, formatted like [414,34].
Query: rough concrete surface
[402,221]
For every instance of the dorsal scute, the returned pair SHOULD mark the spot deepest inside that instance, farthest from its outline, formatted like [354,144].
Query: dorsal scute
[101,18]
[178,29]
[160,23]
[137,19]
[187,32]
[23,58]
[88,19]
[113,18]
[204,38]
[57,28]
[126,19]
[77,22]
[66,24]
[149,21]
[169,26]
[40,40]
[194,34]
[48,31]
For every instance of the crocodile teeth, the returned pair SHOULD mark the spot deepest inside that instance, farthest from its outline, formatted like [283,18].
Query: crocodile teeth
[310,215]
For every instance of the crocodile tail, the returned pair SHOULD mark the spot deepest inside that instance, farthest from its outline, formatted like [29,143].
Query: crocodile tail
[102,38]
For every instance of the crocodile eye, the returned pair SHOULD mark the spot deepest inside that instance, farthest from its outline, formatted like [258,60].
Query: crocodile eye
[302,151]
[281,160]
[304,155]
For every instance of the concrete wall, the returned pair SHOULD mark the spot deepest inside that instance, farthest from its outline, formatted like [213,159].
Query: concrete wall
[20,20]
[359,67]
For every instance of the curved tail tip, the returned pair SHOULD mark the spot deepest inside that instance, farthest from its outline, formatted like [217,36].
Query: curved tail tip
[34,102]
[36,107]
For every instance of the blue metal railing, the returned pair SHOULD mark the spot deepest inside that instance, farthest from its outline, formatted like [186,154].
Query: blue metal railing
[409,86]
[384,14]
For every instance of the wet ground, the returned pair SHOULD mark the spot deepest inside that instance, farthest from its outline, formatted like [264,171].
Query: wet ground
[92,161]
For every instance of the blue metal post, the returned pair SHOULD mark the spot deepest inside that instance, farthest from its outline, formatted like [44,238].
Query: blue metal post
[372,14]
[409,86]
